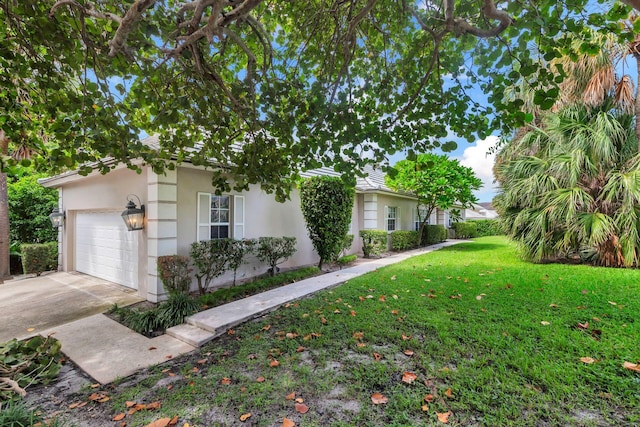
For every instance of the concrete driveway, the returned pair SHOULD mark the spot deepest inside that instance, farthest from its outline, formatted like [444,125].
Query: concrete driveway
[31,305]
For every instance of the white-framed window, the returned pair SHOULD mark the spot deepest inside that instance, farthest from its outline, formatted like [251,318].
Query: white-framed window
[392,218]
[220,216]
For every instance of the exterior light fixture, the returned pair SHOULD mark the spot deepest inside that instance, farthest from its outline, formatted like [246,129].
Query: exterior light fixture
[57,218]
[132,216]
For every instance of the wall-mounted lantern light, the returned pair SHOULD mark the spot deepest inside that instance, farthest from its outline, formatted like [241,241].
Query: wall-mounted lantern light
[133,217]
[57,218]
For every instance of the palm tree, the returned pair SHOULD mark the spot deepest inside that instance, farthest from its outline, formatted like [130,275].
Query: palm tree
[575,187]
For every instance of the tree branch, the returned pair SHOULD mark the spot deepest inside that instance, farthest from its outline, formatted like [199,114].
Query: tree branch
[133,15]
[633,3]
[13,385]
[88,9]
[460,26]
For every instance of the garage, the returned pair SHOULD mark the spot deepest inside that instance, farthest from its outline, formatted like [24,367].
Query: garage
[105,249]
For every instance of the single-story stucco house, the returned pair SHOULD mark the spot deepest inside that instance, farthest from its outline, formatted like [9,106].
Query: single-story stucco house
[181,208]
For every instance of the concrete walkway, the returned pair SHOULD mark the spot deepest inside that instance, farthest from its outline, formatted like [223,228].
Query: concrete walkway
[106,350]
[31,305]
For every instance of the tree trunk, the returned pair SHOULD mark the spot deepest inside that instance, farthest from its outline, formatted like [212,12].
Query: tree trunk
[4,215]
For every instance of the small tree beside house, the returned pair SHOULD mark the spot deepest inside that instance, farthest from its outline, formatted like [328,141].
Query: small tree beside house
[436,181]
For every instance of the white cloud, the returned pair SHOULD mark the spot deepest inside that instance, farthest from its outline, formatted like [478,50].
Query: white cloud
[478,158]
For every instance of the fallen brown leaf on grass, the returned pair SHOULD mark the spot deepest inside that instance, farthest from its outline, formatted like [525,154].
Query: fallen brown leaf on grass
[299,400]
[288,423]
[119,417]
[300,349]
[631,366]
[406,337]
[174,421]
[379,399]
[302,408]
[587,360]
[290,396]
[584,325]
[291,335]
[409,377]
[429,398]
[77,405]
[260,379]
[245,417]
[274,363]
[377,356]
[153,405]
[449,393]
[408,352]
[162,422]
[443,417]
[358,335]
[129,403]
[225,381]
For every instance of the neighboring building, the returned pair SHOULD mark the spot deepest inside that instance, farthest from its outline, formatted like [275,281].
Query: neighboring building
[481,211]
[181,208]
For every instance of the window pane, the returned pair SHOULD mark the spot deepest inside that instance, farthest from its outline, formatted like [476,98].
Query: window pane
[215,216]
[224,202]
[219,231]
[215,202]
[223,217]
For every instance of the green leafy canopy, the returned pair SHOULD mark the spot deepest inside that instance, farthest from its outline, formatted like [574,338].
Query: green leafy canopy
[298,84]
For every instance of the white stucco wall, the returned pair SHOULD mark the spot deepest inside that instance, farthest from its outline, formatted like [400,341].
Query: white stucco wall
[263,217]
[97,192]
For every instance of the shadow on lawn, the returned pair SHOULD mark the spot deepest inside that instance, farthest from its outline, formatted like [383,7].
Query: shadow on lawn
[472,247]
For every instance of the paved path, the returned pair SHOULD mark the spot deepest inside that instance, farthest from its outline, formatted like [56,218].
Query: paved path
[106,350]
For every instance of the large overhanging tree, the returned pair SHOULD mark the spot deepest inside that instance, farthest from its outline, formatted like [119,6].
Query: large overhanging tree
[301,84]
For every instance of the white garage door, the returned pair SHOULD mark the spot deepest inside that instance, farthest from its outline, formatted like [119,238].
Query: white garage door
[105,249]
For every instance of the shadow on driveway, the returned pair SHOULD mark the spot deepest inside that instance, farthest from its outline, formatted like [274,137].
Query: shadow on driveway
[28,306]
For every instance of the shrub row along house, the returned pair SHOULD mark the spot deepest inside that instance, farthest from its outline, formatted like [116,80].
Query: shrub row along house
[181,208]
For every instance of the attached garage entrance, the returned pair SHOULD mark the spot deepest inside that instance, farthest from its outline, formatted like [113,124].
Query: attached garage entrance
[105,249]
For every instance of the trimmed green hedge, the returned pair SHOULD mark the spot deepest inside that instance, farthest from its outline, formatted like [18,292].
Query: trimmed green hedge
[465,230]
[346,260]
[433,234]
[374,242]
[39,257]
[401,240]
[488,227]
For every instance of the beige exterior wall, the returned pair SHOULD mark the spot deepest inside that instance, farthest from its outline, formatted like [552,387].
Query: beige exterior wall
[263,217]
[405,207]
[98,192]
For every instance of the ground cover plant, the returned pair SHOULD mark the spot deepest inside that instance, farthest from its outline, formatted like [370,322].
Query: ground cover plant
[467,335]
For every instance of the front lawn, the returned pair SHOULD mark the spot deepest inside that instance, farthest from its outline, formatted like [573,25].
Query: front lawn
[470,335]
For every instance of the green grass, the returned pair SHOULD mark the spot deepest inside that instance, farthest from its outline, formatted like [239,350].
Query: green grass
[16,414]
[226,295]
[472,315]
